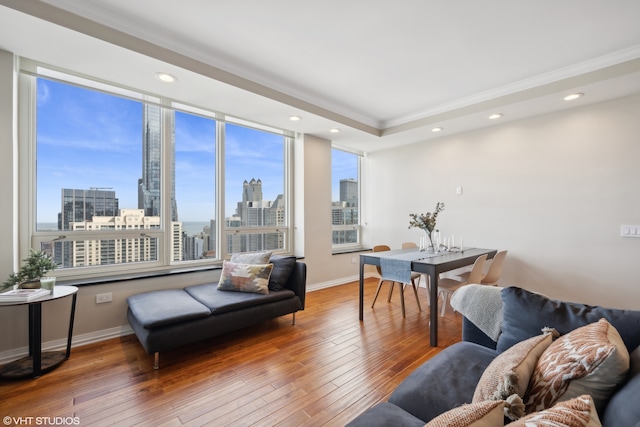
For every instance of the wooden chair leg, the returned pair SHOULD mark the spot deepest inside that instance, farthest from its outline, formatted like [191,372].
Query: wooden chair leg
[444,304]
[415,291]
[377,292]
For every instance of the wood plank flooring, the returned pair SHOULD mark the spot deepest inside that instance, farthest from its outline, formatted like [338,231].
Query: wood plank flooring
[323,371]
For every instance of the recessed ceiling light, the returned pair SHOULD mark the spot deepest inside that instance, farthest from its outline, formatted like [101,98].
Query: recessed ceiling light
[335,130]
[438,129]
[573,96]
[166,77]
[495,116]
[294,118]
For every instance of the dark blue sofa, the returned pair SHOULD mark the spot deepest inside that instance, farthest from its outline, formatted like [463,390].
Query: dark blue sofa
[449,379]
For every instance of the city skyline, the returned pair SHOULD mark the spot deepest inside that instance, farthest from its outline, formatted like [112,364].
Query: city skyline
[91,139]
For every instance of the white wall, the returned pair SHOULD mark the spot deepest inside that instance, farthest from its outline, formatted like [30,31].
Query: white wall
[553,190]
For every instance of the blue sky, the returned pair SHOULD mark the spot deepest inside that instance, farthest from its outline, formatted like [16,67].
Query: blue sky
[90,139]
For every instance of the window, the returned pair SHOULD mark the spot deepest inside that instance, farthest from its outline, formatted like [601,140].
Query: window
[119,180]
[345,209]
[255,207]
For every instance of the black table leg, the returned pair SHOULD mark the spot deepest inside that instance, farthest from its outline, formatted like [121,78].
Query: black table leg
[433,311]
[71,319]
[35,337]
[361,290]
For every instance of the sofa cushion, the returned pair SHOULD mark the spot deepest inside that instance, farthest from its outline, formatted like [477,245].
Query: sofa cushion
[588,360]
[509,373]
[385,414]
[159,308]
[245,277]
[577,412]
[480,414]
[623,408]
[437,386]
[526,313]
[222,301]
[282,269]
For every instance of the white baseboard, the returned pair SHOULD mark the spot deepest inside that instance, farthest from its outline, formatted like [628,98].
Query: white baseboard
[341,281]
[61,344]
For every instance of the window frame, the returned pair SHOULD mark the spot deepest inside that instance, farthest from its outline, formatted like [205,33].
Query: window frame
[357,245]
[28,235]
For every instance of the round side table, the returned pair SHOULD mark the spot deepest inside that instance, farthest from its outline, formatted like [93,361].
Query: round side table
[38,362]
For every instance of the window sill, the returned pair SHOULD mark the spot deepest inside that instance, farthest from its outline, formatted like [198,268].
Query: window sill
[90,281]
[350,250]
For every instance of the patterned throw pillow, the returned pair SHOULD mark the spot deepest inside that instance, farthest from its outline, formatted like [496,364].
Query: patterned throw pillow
[480,414]
[577,412]
[588,360]
[245,277]
[509,373]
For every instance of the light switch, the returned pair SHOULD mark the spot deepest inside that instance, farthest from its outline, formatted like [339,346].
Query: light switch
[630,230]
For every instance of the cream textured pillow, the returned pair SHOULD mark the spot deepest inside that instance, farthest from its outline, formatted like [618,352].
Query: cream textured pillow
[509,373]
[589,360]
[480,414]
[245,277]
[577,412]
[252,257]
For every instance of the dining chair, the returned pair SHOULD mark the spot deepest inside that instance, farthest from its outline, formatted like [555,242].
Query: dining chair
[381,248]
[494,272]
[447,286]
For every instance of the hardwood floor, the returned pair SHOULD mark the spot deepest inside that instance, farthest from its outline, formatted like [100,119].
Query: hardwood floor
[325,370]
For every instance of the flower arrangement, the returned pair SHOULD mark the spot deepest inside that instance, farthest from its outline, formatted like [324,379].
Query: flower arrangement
[427,221]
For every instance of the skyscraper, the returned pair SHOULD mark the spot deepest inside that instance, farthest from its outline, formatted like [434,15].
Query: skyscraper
[79,206]
[150,182]
[252,211]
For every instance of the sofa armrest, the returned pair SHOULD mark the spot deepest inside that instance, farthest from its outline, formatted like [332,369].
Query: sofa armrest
[471,333]
[297,281]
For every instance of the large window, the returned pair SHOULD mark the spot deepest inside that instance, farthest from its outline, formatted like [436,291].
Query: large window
[119,180]
[255,205]
[345,209]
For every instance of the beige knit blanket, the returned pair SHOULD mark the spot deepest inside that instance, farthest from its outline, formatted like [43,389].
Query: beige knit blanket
[482,305]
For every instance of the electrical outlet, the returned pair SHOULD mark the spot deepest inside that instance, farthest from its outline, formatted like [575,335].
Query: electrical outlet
[100,298]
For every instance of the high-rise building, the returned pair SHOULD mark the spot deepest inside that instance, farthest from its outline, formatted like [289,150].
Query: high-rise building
[91,252]
[349,191]
[253,211]
[77,206]
[149,185]
[81,205]
[345,212]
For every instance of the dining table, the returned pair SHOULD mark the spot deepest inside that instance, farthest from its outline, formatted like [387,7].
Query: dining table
[426,262]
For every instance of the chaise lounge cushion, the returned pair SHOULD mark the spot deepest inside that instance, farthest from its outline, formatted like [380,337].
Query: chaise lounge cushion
[218,301]
[159,308]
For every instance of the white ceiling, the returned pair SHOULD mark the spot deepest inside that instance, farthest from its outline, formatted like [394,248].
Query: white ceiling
[385,72]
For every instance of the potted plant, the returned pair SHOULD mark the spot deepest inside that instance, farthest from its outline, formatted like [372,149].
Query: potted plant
[34,267]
